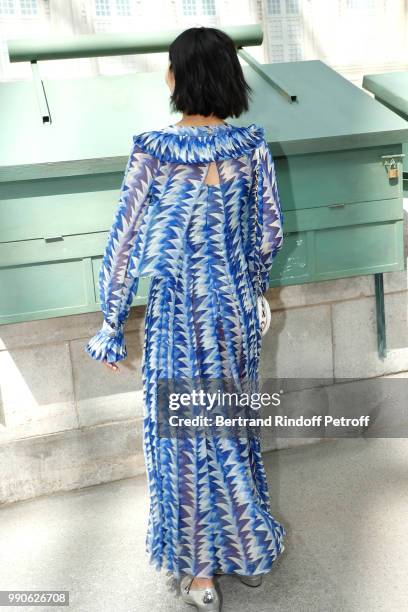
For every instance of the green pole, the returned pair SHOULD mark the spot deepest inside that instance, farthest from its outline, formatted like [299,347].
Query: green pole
[123,43]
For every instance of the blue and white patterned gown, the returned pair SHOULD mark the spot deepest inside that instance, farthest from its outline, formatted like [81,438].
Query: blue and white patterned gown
[209,499]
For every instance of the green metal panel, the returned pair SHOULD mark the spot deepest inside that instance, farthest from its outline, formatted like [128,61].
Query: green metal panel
[371,248]
[106,44]
[332,177]
[391,89]
[60,177]
[375,211]
[93,118]
[59,249]
[56,213]
[311,256]
[28,290]
[39,290]
[330,112]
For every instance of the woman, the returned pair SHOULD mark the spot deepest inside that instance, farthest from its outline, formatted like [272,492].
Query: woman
[187,217]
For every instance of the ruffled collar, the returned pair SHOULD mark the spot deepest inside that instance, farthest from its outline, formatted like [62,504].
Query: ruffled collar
[194,144]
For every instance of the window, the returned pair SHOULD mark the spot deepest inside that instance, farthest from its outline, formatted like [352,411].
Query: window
[293,30]
[285,29]
[189,7]
[292,7]
[7,7]
[102,8]
[196,8]
[113,8]
[28,7]
[123,8]
[277,53]
[274,7]
[18,8]
[294,53]
[208,7]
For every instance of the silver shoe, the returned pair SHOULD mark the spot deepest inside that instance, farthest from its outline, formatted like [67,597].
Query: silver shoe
[205,600]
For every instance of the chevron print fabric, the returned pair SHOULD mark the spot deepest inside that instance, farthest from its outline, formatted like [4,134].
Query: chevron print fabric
[209,498]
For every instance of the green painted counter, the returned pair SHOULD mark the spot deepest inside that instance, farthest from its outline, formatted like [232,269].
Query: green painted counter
[60,179]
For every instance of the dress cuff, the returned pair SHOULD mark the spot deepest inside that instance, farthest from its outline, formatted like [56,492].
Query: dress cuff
[108,343]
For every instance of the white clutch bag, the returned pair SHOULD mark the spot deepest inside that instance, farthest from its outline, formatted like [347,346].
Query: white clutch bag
[264,314]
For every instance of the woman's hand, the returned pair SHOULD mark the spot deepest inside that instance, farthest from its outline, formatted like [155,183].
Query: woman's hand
[111,366]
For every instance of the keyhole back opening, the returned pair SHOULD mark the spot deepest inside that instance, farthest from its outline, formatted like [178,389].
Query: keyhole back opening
[212,178]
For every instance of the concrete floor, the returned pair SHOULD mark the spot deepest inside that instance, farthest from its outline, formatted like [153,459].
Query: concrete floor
[344,504]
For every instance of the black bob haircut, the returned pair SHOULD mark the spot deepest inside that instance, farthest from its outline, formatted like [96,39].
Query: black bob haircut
[207,73]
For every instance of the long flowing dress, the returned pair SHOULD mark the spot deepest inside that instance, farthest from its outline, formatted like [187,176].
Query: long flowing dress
[208,250]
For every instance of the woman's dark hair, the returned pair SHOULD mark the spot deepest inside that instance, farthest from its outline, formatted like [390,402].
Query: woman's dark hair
[208,75]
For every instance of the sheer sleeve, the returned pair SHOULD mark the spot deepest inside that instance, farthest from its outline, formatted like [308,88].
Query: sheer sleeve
[116,286]
[271,217]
